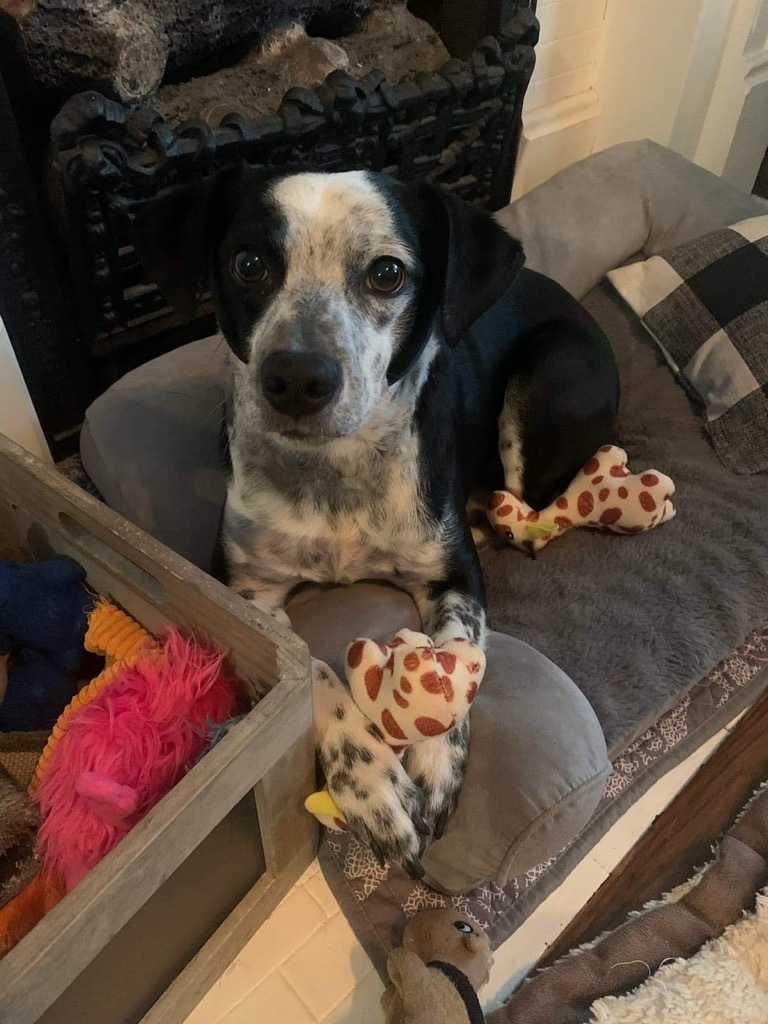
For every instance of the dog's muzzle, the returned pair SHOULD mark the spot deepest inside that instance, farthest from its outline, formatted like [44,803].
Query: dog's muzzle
[300,383]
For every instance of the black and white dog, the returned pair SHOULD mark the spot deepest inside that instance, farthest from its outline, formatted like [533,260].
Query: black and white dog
[390,356]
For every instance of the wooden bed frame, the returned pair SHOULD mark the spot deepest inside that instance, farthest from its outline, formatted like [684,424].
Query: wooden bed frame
[681,837]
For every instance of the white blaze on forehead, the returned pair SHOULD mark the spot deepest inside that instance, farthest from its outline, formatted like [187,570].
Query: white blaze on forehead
[332,218]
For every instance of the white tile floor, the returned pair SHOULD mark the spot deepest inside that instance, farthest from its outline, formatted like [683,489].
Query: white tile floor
[304,966]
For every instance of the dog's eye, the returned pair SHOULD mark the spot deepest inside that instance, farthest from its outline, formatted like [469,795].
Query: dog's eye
[386,275]
[249,267]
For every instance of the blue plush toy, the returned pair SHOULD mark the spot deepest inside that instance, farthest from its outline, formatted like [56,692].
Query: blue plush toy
[43,618]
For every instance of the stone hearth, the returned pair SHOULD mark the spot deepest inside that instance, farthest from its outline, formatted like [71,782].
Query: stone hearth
[389,38]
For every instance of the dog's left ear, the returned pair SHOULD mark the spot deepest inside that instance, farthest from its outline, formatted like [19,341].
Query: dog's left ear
[172,240]
[482,263]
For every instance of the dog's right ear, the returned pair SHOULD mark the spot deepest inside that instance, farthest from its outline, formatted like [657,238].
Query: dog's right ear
[482,264]
[172,241]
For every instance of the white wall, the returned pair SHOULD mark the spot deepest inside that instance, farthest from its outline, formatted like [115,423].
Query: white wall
[18,419]
[690,74]
[561,108]
[646,51]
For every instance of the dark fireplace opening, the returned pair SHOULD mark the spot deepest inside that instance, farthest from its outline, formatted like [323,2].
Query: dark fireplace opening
[101,115]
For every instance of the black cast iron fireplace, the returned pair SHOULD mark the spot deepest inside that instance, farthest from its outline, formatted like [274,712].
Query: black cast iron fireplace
[76,165]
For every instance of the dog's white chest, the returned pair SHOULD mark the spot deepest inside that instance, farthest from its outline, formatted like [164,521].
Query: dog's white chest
[353,548]
[363,526]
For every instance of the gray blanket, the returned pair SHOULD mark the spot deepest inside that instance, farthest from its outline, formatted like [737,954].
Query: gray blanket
[586,601]
[640,623]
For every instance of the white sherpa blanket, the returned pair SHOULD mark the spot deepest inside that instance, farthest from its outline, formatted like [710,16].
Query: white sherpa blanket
[726,982]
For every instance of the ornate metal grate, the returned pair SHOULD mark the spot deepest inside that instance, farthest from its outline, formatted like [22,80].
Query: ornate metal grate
[459,127]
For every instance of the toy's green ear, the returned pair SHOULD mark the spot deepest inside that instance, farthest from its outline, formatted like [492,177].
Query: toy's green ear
[538,531]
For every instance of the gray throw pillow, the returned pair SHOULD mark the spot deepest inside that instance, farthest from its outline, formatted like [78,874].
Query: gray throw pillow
[706,305]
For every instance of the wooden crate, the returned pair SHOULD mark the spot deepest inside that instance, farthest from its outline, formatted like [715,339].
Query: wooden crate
[149,930]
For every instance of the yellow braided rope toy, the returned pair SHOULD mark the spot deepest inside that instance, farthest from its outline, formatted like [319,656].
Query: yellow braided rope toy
[122,641]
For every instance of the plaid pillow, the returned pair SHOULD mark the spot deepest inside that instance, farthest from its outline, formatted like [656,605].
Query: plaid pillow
[706,305]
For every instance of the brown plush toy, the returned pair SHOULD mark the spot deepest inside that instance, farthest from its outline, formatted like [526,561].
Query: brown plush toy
[444,960]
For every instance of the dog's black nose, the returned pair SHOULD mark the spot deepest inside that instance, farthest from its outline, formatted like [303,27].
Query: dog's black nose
[299,383]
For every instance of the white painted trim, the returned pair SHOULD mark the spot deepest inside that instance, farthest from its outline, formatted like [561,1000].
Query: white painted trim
[734,135]
[554,137]
[715,21]
[18,419]
[563,114]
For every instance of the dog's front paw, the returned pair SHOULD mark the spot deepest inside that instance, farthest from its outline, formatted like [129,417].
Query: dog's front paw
[437,766]
[382,807]
[376,799]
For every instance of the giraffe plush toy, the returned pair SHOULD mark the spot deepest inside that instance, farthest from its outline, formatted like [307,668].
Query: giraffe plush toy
[604,496]
[409,690]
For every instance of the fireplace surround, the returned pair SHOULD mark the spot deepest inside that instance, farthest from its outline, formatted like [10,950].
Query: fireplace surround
[78,305]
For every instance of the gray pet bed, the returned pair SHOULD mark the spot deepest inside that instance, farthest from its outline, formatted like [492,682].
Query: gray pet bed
[664,633]
[651,628]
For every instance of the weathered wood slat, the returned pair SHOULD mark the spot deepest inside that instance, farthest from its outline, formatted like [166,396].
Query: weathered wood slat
[40,507]
[270,751]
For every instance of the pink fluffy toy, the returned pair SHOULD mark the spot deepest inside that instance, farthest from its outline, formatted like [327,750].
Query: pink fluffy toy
[127,748]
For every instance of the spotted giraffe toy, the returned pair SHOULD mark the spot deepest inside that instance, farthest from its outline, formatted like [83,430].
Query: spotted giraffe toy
[408,690]
[604,496]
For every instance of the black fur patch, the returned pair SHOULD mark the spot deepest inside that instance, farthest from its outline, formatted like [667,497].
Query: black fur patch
[245,219]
